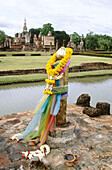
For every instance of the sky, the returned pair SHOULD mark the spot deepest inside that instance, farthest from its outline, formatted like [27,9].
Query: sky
[81,16]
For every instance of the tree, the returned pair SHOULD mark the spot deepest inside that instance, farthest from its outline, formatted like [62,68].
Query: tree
[34,31]
[46,28]
[83,39]
[104,42]
[91,41]
[62,37]
[76,38]
[2,37]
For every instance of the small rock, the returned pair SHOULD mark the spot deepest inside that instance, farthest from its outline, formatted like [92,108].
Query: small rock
[91,111]
[14,121]
[46,162]
[83,100]
[14,153]
[4,161]
[104,107]
[34,160]
[20,168]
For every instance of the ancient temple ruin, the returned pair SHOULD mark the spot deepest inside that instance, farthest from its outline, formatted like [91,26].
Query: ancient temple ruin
[22,41]
[44,43]
[71,44]
[75,47]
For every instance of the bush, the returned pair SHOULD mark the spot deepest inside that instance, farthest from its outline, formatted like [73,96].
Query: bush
[36,54]
[109,52]
[93,54]
[18,54]
[75,53]
[2,54]
[99,50]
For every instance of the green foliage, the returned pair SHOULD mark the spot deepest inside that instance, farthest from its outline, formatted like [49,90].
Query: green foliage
[107,55]
[2,54]
[46,28]
[2,37]
[105,42]
[18,54]
[91,41]
[99,42]
[76,38]
[38,54]
[62,36]
[34,31]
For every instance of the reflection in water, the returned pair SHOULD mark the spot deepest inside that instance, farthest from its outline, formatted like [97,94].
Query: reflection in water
[22,97]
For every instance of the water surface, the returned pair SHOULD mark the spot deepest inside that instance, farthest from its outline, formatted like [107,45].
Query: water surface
[24,97]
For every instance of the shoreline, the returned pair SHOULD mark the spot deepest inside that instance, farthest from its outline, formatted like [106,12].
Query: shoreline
[43,79]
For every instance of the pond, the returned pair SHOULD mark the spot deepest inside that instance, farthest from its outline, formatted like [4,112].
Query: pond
[24,97]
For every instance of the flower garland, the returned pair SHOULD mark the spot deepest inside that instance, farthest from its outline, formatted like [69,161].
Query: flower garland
[47,92]
[53,72]
[44,150]
[48,81]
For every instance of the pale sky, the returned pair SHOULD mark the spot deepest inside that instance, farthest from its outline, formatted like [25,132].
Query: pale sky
[81,16]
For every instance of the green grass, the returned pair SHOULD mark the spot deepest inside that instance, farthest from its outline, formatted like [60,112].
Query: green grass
[78,59]
[41,77]
[26,62]
[10,62]
[22,78]
[90,73]
[23,62]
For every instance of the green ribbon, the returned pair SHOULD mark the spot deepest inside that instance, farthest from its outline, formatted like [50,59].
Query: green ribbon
[60,90]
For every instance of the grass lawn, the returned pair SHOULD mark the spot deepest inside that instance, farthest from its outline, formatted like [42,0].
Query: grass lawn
[90,73]
[41,77]
[24,62]
[10,62]
[22,78]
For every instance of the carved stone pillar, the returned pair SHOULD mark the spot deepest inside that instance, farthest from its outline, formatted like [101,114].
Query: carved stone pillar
[61,117]
[56,45]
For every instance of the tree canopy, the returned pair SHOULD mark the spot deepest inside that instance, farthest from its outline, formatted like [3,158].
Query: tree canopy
[46,28]
[95,41]
[62,37]
[91,41]
[76,38]
[105,42]
[2,37]
[34,31]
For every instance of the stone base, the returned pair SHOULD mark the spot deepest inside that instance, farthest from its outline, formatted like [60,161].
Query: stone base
[61,136]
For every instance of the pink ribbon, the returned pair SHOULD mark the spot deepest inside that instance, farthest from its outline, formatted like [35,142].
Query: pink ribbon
[63,70]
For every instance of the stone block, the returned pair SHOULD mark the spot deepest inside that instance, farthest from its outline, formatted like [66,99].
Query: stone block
[104,107]
[83,100]
[91,111]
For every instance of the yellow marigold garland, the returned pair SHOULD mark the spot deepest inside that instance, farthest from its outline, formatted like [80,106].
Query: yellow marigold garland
[53,72]
[48,81]
[47,92]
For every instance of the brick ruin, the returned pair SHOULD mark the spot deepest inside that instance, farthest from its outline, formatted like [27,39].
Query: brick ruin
[75,47]
[22,42]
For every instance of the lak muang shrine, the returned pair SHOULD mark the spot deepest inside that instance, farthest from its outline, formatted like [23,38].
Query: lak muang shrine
[23,42]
